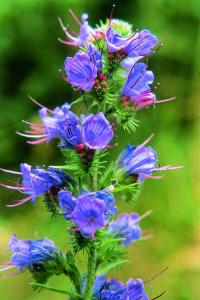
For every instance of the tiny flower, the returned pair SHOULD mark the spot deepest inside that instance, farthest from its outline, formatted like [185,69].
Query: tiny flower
[127,227]
[137,89]
[141,161]
[88,215]
[66,202]
[88,211]
[97,132]
[108,289]
[135,290]
[37,181]
[61,121]
[26,253]
[81,70]
[139,44]
[80,39]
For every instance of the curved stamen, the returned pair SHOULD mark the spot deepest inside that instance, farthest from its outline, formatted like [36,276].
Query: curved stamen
[37,142]
[10,171]
[74,17]
[19,202]
[36,102]
[31,136]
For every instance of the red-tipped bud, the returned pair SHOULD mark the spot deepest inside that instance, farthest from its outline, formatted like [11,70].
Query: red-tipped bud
[102,76]
[104,84]
[80,148]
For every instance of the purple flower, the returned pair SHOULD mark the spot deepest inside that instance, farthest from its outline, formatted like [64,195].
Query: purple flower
[139,44]
[135,290]
[89,211]
[61,121]
[96,56]
[97,132]
[37,181]
[81,70]
[26,253]
[136,88]
[66,202]
[141,161]
[127,227]
[88,215]
[108,289]
[80,39]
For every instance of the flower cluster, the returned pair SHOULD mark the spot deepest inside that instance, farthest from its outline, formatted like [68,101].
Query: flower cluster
[110,74]
[113,289]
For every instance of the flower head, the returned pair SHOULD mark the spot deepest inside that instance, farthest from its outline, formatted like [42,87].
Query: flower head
[141,161]
[26,253]
[137,89]
[139,44]
[97,132]
[37,181]
[86,32]
[88,215]
[127,227]
[135,290]
[88,211]
[81,70]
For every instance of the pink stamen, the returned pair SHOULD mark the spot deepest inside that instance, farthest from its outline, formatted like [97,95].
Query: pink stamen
[42,106]
[11,187]
[152,177]
[34,132]
[9,171]
[37,142]
[74,17]
[66,43]
[146,214]
[7,267]
[165,100]
[33,124]
[19,202]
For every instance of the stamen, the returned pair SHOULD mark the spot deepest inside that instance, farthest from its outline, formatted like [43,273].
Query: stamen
[37,142]
[19,202]
[42,106]
[165,100]
[156,276]
[111,14]
[9,171]
[74,17]
[36,136]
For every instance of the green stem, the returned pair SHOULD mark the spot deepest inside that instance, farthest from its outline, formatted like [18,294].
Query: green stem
[44,286]
[91,273]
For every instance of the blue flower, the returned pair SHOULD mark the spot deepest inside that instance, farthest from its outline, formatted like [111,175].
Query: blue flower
[113,289]
[141,161]
[80,39]
[96,132]
[81,70]
[96,56]
[127,227]
[37,181]
[135,290]
[26,253]
[108,289]
[136,88]
[139,44]
[88,215]
[88,211]
[61,121]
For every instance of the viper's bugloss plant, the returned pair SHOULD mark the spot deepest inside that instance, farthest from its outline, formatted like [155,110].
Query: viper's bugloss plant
[110,74]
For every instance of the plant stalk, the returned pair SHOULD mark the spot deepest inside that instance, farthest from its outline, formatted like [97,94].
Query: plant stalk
[91,273]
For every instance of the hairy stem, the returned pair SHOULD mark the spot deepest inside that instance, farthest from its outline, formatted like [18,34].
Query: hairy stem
[90,273]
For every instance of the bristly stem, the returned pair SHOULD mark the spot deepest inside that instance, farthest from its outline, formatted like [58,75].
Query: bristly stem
[91,273]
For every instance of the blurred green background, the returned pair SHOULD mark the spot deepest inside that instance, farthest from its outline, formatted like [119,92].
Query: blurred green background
[30,61]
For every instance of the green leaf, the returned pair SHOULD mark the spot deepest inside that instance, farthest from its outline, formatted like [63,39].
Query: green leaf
[52,289]
[108,267]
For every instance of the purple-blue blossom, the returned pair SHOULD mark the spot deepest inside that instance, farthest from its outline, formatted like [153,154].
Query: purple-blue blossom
[141,161]
[97,132]
[127,227]
[88,211]
[37,181]
[139,44]
[77,39]
[26,253]
[136,88]
[112,289]
[81,70]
